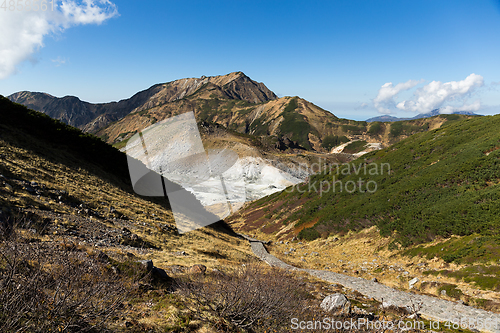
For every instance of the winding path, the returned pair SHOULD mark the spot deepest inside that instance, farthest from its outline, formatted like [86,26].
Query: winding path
[431,308]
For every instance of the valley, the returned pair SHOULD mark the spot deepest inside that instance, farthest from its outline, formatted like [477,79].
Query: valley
[433,215]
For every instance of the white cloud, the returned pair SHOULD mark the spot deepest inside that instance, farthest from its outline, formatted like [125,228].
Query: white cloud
[439,95]
[23,31]
[475,106]
[448,97]
[59,61]
[388,92]
[361,106]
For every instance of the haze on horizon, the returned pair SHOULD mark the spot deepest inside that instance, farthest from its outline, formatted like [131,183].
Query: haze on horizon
[356,59]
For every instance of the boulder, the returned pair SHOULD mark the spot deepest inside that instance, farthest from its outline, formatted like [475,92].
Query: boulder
[198,269]
[412,282]
[146,264]
[334,303]
[387,304]
[160,273]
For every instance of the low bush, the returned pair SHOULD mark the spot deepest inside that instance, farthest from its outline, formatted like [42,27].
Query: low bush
[248,297]
[47,288]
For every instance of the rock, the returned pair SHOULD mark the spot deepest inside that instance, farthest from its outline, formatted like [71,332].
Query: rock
[180,253]
[160,273]
[176,269]
[374,280]
[9,188]
[335,302]
[387,304]
[146,264]
[102,257]
[217,272]
[413,316]
[360,311]
[29,189]
[198,269]
[412,282]
[443,292]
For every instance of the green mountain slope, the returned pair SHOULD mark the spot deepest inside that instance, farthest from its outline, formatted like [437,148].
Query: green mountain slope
[442,182]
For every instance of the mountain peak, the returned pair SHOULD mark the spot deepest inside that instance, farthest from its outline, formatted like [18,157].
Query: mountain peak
[89,116]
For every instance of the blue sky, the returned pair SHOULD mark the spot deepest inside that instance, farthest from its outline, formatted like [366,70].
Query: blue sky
[336,54]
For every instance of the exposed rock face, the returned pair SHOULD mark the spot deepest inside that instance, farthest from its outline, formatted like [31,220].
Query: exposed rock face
[75,112]
[246,89]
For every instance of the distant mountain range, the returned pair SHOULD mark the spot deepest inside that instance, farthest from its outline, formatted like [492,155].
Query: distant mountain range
[233,101]
[386,118]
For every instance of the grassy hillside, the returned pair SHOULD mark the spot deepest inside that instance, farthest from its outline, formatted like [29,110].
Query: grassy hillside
[81,231]
[441,183]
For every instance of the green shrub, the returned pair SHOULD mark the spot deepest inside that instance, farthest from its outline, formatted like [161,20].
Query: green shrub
[355,147]
[331,141]
[375,128]
[451,290]
[308,234]
[294,125]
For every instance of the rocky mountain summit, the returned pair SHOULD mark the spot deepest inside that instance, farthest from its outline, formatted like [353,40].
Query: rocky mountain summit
[90,117]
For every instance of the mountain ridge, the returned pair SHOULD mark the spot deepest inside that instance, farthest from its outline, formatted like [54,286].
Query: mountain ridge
[234,101]
[92,116]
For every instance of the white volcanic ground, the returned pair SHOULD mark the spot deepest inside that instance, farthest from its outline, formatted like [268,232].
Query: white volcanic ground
[243,178]
[250,178]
